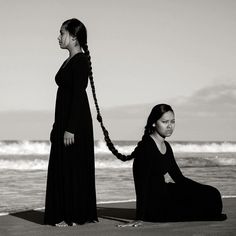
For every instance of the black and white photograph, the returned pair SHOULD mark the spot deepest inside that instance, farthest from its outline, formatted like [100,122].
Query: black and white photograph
[118,117]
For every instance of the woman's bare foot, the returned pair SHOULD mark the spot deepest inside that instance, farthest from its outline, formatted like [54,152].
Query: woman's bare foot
[62,224]
[135,223]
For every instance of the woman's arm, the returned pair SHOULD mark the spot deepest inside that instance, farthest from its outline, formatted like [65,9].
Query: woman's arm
[151,190]
[175,172]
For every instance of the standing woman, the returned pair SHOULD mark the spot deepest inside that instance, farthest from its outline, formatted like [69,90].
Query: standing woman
[70,194]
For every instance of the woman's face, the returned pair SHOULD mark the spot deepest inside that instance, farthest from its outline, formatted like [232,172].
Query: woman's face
[65,39]
[166,124]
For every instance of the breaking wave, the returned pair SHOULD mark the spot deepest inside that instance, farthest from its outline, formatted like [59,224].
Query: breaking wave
[33,155]
[126,147]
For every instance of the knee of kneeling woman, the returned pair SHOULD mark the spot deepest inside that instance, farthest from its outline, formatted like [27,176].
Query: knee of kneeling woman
[216,199]
[217,193]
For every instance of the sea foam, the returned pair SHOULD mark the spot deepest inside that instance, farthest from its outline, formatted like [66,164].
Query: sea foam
[43,147]
[34,155]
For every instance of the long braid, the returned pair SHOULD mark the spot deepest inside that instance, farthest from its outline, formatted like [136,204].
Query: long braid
[77,28]
[107,139]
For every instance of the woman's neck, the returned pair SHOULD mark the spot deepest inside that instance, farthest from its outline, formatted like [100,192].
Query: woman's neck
[158,138]
[74,51]
[160,142]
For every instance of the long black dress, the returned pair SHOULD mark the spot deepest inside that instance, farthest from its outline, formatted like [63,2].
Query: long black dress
[160,201]
[70,194]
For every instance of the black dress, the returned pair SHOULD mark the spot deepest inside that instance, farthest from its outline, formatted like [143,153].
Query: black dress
[70,194]
[160,201]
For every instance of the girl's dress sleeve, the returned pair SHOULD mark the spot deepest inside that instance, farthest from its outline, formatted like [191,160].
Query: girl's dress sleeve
[79,74]
[142,164]
[175,172]
[150,186]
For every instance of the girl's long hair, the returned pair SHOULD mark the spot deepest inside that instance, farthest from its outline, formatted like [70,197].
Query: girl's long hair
[77,29]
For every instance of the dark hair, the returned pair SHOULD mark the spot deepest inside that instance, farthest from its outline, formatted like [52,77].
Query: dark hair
[77,29]
[156,114]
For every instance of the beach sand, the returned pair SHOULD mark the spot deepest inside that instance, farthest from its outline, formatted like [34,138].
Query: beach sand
[30,223]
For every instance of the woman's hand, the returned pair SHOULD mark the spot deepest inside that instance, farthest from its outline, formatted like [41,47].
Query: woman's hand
[69,138]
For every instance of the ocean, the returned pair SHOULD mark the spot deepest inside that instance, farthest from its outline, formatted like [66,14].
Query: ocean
[23,171]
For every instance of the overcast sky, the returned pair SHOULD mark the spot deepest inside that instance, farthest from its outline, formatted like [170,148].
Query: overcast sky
[143,52]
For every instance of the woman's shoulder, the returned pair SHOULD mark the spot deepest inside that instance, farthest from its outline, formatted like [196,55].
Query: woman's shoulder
[167,143]
[168,147]
[146,141]
[140,148]
[80,57]
[80,62]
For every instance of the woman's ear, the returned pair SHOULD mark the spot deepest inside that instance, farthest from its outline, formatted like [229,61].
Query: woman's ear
[75,41]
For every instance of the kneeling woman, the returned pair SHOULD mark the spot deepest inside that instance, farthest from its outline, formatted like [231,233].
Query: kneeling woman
[157,200]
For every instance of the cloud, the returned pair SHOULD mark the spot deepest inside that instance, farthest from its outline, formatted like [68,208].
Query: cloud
[211,100]
[209,114]
[218,99]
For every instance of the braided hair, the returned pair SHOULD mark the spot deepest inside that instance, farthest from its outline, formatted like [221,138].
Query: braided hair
[77,28]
